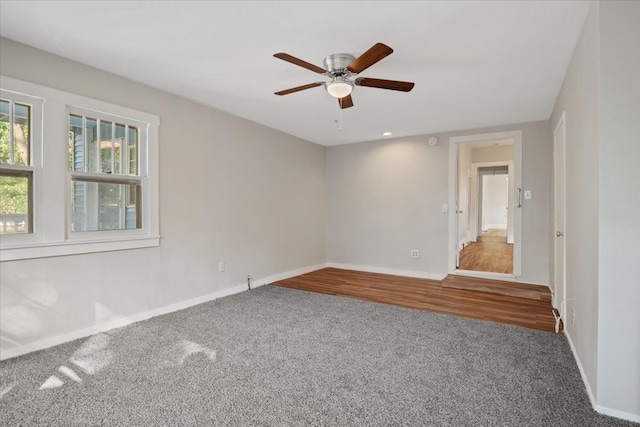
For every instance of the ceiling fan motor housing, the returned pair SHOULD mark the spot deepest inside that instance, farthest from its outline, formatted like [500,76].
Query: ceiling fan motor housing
[336,64]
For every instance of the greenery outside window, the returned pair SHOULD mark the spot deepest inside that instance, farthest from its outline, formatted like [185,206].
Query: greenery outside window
[16,168]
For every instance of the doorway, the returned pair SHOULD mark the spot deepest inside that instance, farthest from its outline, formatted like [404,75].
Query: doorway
[493,198]
[480,204]
[492,203]
[489,245]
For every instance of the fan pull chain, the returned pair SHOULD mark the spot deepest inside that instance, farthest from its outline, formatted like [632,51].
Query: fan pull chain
[339,114]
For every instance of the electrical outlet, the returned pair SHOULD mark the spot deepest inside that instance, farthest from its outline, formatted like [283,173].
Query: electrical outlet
[573,316]
[415,253]
[221,266]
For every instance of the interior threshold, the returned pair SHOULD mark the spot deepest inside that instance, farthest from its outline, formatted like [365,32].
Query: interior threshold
[485,274]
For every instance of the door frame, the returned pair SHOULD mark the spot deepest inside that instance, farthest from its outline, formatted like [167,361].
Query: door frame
[454,143]
[559,296]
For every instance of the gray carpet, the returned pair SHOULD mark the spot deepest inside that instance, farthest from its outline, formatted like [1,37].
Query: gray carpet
[281,357]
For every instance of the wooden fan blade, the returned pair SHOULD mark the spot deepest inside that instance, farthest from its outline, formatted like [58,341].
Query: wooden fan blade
[384,84]
[377,52]
[300,62]
[345,102]
[299,88]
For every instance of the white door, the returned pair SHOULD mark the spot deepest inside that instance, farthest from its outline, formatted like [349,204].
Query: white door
[559,288]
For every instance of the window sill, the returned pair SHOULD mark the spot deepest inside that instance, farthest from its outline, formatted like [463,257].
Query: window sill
[46,250]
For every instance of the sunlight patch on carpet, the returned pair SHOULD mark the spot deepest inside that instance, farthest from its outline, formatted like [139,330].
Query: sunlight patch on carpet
[52,382]
[190,348]
[69,372]
[93,355]
[7,389]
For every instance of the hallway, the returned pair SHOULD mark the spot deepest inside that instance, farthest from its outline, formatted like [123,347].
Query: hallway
[491,253]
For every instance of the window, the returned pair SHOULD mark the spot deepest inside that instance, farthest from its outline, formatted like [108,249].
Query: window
[77,175]
[105,184]
[18,139]
[16,176]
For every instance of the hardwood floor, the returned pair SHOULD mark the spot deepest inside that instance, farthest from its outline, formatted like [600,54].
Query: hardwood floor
[424,294]
[514,289]
[490,253]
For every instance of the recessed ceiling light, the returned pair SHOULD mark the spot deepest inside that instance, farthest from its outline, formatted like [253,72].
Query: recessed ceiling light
[386,133]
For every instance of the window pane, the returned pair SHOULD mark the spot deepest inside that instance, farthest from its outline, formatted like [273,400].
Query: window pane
[15,203]
[76,144]
[21,121]
[117,148]
[133,151]
[105,206]
[91,135]
[106,147]
[5,135]
[114,150]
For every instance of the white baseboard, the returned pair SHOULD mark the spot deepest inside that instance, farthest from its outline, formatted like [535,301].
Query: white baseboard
[618,414]
[281,276]
[495,227]
[386,270]
[592,398]
[127,320]
[598,408]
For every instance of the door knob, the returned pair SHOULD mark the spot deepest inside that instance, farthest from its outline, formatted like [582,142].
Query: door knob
[559,234]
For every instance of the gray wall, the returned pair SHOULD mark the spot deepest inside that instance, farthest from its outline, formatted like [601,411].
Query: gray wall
[492,154]
[579,99]
[619,208]
[600,97]
[230,190]
[384,198]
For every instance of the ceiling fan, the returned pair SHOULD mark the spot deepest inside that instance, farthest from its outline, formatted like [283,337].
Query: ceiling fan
[341,68]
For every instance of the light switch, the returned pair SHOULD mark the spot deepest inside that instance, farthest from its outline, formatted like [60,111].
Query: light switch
[527,194]
[445,208]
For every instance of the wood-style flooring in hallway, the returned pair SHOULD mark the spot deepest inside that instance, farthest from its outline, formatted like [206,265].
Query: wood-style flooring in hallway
[490,253]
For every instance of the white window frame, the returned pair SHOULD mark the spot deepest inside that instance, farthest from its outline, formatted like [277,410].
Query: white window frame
[143,129]
[52,179]
[35,166]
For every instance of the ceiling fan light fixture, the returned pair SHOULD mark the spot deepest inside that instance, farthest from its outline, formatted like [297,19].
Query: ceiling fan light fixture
[339,87]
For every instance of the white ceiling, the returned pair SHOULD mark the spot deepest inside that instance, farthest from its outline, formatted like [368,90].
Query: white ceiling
[475,63]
